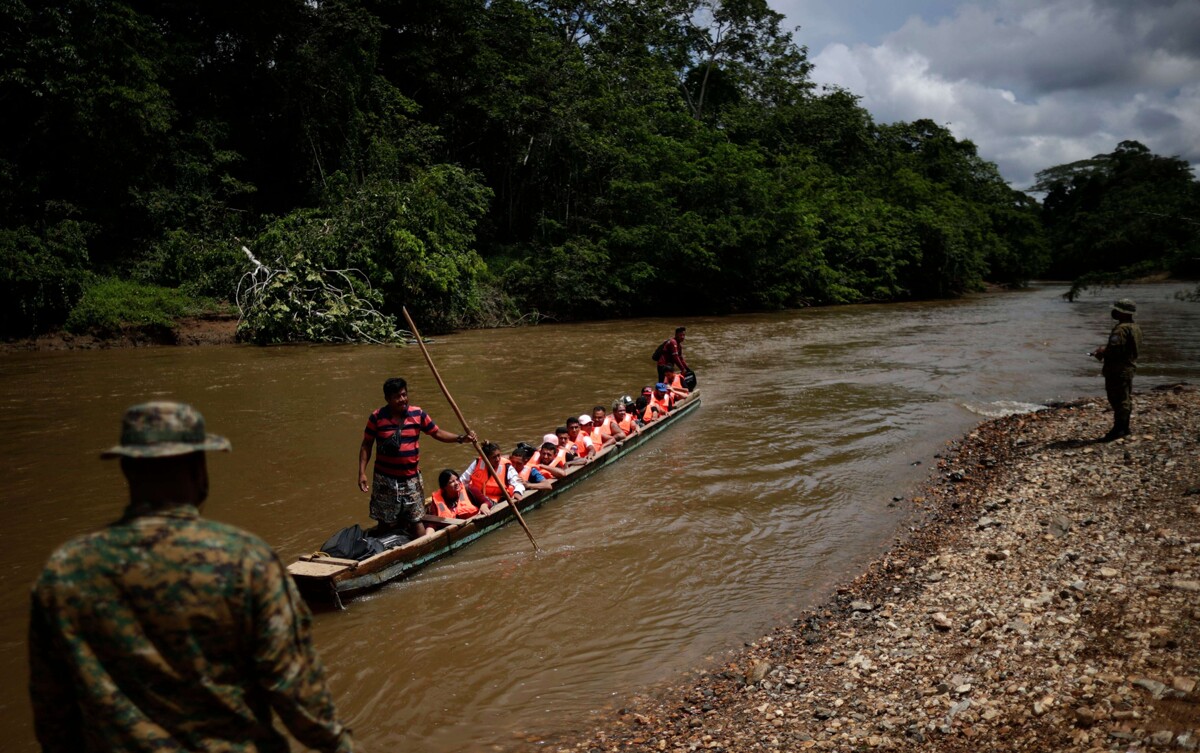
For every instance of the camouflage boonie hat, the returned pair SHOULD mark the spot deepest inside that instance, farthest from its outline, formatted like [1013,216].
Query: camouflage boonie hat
[163,429]
[1125,306]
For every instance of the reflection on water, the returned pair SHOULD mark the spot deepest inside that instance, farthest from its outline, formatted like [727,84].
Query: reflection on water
[776,487]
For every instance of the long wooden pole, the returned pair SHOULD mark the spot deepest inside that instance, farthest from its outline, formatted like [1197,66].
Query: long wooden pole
[512,503]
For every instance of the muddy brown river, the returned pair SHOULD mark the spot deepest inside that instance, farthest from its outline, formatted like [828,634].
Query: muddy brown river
[778,486]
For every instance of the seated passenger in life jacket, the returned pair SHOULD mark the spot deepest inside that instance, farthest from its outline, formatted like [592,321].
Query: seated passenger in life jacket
[592,429]
[584,448]
[479,480]
[551,461]
[586,428]
[663,396]
[605,431]
[658,402]
[568,446]
[623,418]
[675,383]
[529,473]
[451,499]
[642,402]
[559,458]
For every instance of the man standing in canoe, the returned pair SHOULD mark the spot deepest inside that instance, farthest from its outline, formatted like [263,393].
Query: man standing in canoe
[397,494]
[169,632]
[671,352]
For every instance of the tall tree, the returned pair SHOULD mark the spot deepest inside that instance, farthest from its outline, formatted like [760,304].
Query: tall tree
[1124,213]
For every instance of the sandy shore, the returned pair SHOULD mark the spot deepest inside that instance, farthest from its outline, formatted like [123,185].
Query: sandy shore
[1047,598]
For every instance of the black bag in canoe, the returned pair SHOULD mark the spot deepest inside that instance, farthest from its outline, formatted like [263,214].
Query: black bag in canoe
[349,543]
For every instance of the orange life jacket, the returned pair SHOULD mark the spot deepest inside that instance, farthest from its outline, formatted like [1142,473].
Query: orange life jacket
[655,408]
[462,507]
[483,482]
[677,383]
[628,424]
[525,472]
[608,424]
[581,444]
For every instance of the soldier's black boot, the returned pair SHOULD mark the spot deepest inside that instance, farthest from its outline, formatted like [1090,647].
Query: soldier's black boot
[1120,428]
[1122,425]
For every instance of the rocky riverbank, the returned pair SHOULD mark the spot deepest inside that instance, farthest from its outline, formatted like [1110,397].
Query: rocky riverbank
[1046,598]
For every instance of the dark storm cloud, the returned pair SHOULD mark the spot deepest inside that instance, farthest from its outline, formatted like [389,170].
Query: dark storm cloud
[1036,83]
[1170,25]
[1036,49]
[1154,120]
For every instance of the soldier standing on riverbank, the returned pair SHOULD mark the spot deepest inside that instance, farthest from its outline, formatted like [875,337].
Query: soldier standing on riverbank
[1120,356]
[167,632]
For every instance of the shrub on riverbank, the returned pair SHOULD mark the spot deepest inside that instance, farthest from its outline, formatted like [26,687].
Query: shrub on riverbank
[111,305]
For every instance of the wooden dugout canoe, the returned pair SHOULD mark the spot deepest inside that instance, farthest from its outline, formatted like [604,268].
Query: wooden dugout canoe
[325,580]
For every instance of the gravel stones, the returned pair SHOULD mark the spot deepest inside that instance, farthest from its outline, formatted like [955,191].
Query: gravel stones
[1048,598]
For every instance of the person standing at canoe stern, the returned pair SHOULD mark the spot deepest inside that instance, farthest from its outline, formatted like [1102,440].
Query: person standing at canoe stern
[671,353]
[168,632]
[397,494]
[1120,356]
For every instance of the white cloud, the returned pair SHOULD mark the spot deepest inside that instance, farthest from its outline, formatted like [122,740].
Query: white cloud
[1035,84]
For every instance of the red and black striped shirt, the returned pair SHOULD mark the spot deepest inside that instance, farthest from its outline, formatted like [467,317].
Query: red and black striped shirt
[398,456]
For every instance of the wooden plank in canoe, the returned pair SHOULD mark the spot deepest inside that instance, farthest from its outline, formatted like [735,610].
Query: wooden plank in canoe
[316,569]
[328,560]
[442,521]
[467,528]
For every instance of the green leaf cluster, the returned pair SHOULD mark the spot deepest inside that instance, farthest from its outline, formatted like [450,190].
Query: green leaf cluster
[298,300]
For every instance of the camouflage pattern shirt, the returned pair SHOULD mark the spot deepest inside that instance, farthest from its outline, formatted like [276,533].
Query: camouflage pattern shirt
[1121,352]
[168,632]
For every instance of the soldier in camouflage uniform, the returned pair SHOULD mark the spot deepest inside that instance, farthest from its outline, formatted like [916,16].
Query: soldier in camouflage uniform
[168,632]
[1120,356]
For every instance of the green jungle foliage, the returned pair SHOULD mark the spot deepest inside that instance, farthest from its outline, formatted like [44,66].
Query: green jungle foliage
[477,161]
[43,272]
[109,304]
[1120,216]
[372,247]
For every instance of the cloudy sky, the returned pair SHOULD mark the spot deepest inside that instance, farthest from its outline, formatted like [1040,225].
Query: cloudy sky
[1034,83]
